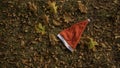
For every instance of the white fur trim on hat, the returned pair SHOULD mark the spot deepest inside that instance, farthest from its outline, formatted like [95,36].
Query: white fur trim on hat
[65,43]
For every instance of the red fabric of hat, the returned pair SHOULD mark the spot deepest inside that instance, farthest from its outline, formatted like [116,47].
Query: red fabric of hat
[71,36]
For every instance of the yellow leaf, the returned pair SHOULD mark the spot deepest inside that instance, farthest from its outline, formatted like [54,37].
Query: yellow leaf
[82,7]
[39,28]
[92,43]
[52,6]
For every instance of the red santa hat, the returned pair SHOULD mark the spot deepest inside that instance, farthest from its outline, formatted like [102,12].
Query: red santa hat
[71,36]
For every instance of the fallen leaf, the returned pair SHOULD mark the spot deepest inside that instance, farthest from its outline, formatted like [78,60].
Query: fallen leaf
[32,7]
[39,28]
[52,6]
[45,18]
[56,23]
[67,18]
[92,43]
[53,39]
[24,61]
[82,7]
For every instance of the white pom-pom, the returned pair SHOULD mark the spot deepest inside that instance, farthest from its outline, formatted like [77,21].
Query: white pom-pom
[88,20]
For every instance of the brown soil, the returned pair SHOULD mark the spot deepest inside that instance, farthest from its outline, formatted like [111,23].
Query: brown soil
[22,47]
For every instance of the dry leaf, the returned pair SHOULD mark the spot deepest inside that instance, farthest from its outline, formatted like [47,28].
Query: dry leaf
[53,39]
[45,18]
[82,7]
[56,23]
[67,18]
[52,6]
[32,7]
[24,61]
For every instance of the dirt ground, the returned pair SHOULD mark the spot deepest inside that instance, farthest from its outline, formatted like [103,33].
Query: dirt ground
[24,44]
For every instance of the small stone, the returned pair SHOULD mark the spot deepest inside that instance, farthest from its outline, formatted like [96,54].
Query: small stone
[109,49]
[117,37]
[80,57]
[26,30]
